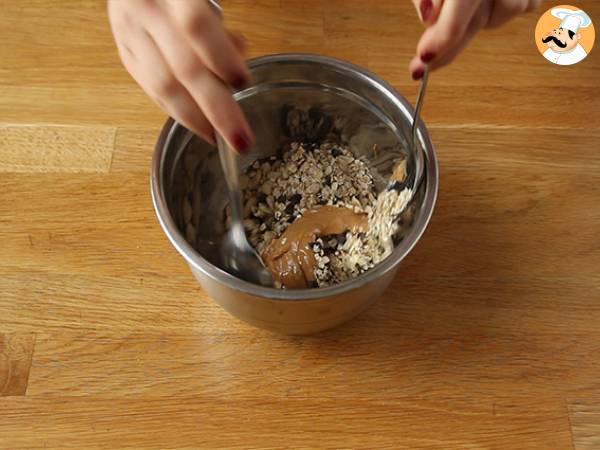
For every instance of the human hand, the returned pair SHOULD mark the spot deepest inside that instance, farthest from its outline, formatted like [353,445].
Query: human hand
[179,52]
[451,24]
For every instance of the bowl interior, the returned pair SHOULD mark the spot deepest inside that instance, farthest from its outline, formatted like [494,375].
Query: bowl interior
[301,100]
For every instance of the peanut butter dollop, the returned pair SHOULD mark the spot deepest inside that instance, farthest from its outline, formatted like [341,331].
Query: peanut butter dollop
[291,259]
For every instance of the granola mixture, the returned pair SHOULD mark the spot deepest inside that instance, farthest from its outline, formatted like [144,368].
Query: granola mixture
[277,191]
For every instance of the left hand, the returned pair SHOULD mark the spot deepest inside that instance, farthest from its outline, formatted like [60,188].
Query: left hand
[451,24]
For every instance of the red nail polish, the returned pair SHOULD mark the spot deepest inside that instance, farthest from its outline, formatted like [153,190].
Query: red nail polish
[239,83]
[241,142]
[417,74]
[426,57]
[426,8]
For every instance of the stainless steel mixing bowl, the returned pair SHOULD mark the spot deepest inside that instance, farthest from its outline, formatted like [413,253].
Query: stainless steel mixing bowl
[294,97]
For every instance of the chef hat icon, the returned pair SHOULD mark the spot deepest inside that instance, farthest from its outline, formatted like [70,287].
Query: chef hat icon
[572,19]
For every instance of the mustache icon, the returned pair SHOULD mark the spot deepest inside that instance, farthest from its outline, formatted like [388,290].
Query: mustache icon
[556,41]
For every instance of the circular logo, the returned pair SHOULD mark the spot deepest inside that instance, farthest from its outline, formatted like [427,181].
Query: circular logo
[565,35]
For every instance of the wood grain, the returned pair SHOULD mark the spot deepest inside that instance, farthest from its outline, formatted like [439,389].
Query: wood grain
[35,148]
[412,362]
[489,337]
[584,416]
[133,149]
[204,422]
[16,350]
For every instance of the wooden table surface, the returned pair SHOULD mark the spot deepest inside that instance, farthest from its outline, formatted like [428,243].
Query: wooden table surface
[489,337]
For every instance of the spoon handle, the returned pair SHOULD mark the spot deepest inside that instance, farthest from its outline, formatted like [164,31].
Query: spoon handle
[419,104]
[416,176]
[232,178]
[216,6]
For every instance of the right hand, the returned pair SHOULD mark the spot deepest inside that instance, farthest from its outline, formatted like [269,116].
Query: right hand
[179,52]
[451,24]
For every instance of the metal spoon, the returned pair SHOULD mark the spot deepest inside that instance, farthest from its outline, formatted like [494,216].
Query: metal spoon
[413,180]
[237,255]
[419,104]
[418,172]
[415,177]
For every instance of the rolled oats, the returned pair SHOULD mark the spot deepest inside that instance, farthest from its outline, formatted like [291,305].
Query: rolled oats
[278,191]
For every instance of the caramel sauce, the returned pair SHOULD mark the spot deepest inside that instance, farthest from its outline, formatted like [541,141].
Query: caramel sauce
[291,259]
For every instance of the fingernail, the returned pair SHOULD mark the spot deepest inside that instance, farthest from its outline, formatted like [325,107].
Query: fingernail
[426,57]
[426,7]
[240,82]
[241,142]
[417,74]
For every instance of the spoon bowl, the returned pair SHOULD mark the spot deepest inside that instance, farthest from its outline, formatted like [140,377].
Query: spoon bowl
[241,260]
[237,255]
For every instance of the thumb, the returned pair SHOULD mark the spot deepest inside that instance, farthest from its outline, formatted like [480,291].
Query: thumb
[428,10]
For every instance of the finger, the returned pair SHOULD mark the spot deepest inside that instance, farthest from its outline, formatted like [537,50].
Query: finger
[151,72]
[222,110]
[416,67]
[505,10]
[239,41]
[182,107]
[203,29]
[209,92]
[477,23]
[479,19]
[449,29]
[428,10]
[534,5]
